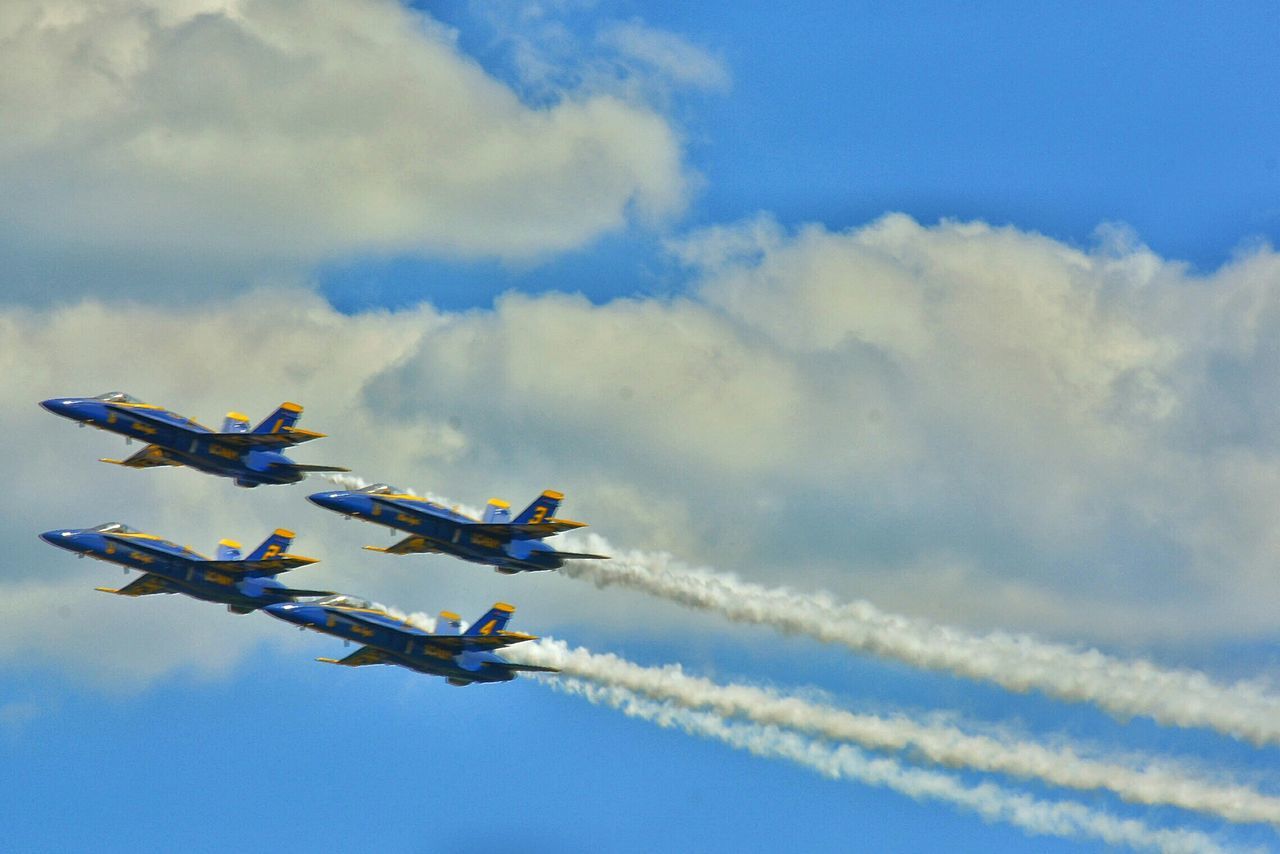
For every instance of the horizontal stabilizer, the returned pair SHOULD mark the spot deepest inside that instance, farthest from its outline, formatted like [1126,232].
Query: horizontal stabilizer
[580,556]
[301,467]
[362,656]
[408,546]
[149,457]
[530,668]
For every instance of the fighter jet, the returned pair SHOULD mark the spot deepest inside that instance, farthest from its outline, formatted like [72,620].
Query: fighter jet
[508,545]
[251,457]
[460,657]
[242,584]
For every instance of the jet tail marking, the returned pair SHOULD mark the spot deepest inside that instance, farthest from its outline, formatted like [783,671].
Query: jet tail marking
[285,416]
[273,546]
[493,621]
[543,507]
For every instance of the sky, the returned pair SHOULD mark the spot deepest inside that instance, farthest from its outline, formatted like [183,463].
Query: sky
[916,363]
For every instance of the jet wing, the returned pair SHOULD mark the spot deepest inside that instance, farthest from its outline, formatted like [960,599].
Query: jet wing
[362,656]
[256,568]
[144,586]
[408,546]
[149,457]
[459,643]
[284,437]
[295,592]
[580,556]
[525,531]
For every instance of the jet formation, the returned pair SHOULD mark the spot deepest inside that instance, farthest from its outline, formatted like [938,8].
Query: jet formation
[254,457]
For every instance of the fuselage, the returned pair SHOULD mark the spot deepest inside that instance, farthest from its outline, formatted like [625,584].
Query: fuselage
[441,529]
[183,568]
[187,441]
[402,643]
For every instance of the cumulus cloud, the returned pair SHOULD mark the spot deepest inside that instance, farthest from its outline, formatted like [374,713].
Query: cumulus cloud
[274,131]
[970,424]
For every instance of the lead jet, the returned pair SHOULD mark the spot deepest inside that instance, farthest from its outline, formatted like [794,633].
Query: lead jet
[460,657]
[251,456]
[508,545]
[242,584]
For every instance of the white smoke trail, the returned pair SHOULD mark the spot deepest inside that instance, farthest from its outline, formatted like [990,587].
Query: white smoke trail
[992,802]
[1184,698]
[937,743]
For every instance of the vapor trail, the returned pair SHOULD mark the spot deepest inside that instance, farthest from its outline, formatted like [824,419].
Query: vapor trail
[1183,698]
[937,743]
[994,803]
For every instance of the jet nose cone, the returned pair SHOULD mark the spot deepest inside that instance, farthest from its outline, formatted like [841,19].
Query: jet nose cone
[328,500]
[283,610]
[61,538]
[63,406]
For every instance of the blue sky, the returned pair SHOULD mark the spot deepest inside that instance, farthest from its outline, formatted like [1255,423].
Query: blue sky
[646,256]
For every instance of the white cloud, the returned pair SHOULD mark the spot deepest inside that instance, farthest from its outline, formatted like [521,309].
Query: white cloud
[280,131]
[667,54]
[970,424]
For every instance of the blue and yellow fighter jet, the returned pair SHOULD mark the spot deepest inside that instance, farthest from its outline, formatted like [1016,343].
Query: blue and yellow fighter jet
[251,457]
[460,657]
[242,584]
[508,545]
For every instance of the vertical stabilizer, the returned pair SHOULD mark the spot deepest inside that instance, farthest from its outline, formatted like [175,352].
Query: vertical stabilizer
[497,511]
[228,550]
[493,621]
[543,508]
[273,546]
[448,623]
[235,423]
[285,416]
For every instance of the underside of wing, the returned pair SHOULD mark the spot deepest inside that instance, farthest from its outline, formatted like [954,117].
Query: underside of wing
[527,530]
[284,437]
[362,656]
[149,457]
[144,586]
[408,546]
[458,643]
[255,568]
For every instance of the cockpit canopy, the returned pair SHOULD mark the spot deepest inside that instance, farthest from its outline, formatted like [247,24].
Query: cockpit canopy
[343,601]
[381,489]
[114,528]
[116,397]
